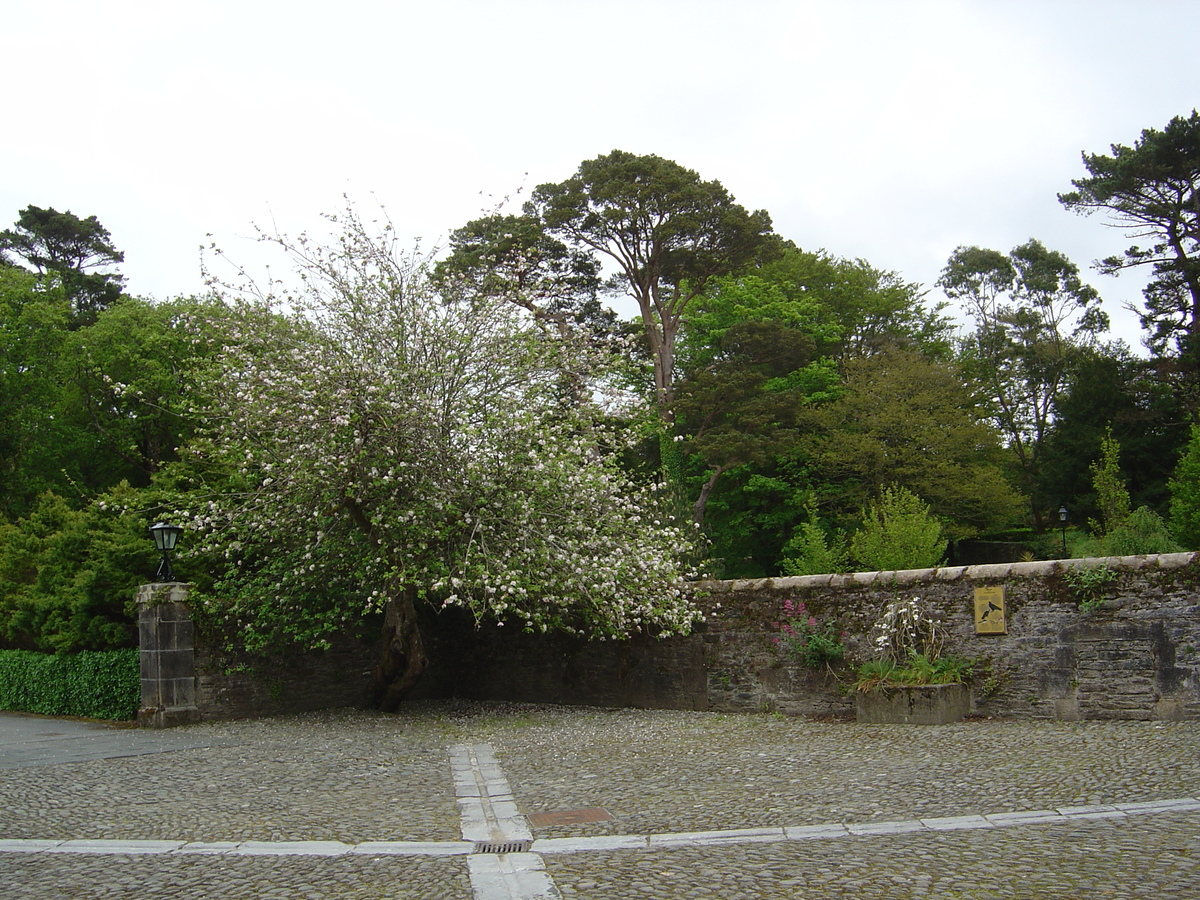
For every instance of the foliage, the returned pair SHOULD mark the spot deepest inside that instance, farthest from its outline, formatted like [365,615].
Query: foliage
[811,551]
[667,231]
[1150,191]
[1111,493]
[1141,533]
[905,630]
[34,442]
[909,643]
[879,674]
[804,639]
[1033,315]
[514,258]
[95,685]
[386,444]
[908,421]
[1111,390]
[81,410]
[742,408]
[898,532]
[761,353]
[68,577]
[1185,494]
[1089,585]
[849,307]
[65,247]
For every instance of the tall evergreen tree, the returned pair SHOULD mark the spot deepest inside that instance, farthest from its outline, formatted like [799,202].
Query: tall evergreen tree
[76,251]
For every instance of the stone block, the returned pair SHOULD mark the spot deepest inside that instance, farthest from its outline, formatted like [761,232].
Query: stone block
[918,704]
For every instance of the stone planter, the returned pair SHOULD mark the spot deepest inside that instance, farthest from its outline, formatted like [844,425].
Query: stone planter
[913,704]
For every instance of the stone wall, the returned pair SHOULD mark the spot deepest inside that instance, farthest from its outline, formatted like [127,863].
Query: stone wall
[239,685]
[188,675]
[1136,655]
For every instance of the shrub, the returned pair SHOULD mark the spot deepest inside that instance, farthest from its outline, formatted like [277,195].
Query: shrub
[1111,493]
[1141,532]
[809,551]
[68,577]
[910,644]
[1185,495]
[906,630]
[93,684]
[802,638]
[899,532]
[917,669]
[1090,586]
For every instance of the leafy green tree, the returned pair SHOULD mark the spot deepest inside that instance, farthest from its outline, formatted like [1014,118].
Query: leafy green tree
[811,550]
[1185,494]
[1150,191]
[667,231]
[512,257]
[1033,315]
[898,532]
[742,408]
[852,309]
[134,379]
[390,447]
[1111,493]
[81,410]
[68,248]
[1110,388]
[33,439]
[832,311]
[68,576]
[909,422]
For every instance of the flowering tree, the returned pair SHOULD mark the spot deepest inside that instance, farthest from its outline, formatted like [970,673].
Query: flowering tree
[392,445]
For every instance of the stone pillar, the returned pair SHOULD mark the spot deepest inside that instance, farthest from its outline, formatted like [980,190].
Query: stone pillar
[167,654]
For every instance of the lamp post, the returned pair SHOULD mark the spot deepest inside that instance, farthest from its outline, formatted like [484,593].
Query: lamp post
[165,537]
[1062,519]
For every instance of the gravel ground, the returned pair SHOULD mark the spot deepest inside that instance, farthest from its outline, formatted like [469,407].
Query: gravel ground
[359,776]
[1134,858]
[231,878]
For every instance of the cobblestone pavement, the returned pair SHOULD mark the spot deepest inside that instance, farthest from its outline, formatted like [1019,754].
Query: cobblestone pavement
[836,810]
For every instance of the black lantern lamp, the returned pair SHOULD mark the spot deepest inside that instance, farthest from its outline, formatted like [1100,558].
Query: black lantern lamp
[1062,520]
[165,537]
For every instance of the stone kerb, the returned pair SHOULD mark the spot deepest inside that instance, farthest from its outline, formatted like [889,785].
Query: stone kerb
[166,640]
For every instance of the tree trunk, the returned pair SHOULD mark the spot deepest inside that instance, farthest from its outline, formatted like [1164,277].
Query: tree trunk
[402,658]
[701,503]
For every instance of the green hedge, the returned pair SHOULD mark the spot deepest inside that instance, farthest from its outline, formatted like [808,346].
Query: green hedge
[96,684]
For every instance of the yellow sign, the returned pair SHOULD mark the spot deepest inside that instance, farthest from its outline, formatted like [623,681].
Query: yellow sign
[989,610]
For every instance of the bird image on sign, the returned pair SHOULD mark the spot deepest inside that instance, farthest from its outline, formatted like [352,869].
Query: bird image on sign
[989,610]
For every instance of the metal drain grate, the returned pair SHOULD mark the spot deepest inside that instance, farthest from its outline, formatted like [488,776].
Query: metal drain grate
[502,846]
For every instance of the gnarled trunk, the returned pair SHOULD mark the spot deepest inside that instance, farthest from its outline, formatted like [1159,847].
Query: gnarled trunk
[402,657]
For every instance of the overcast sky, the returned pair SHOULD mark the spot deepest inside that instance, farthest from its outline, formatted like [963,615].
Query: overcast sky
[894,131]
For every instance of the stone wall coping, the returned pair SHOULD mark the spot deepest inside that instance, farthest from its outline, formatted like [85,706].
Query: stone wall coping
[994,571]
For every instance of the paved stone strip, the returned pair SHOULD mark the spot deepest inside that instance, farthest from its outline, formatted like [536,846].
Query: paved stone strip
[485,801]
[490,816]
[519,863]
[1061,816]
[511,876]
[243,848]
